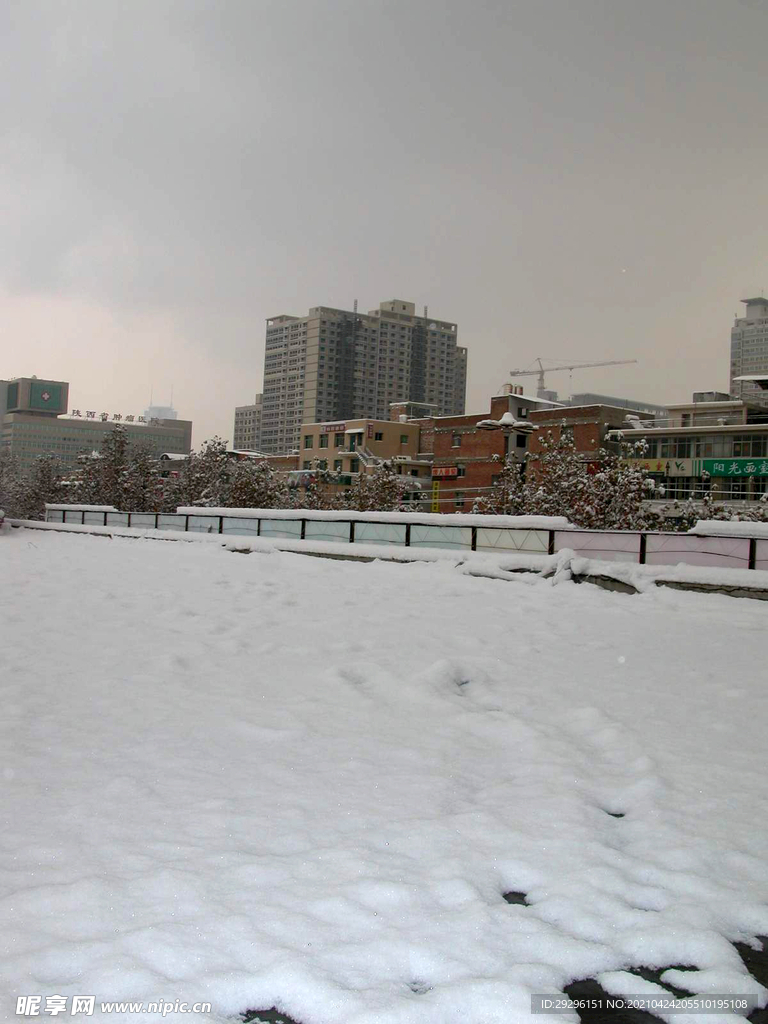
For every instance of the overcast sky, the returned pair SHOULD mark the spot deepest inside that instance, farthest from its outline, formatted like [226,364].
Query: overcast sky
[575,179]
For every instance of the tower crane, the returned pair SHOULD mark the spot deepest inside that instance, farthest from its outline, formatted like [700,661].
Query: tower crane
[572,366]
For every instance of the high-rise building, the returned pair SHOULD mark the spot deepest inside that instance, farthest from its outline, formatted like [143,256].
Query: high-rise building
[34,422]
[338,364]
[749,350]
[246,435]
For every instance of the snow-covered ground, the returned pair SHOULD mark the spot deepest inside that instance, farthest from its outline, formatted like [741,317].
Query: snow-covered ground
[270,779]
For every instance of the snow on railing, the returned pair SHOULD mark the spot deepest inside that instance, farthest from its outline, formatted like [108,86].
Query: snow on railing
[710,543]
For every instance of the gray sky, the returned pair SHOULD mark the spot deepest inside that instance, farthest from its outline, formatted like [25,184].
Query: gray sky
[577,179]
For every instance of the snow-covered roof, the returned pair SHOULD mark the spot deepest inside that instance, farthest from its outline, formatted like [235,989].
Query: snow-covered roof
[536,401]
[755,378]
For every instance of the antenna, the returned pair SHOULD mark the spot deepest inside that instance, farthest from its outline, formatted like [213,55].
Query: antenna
[426,312]
[355,307]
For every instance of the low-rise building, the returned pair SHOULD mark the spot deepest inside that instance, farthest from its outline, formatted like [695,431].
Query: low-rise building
[588,426]
[353,446]
[467,452]
[716,448]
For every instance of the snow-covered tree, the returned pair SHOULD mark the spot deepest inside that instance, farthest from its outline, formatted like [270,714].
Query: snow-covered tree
[142,485]
[556,478]
[617,490]
[42,486]
[381,490]
[203,478]
[9,482]
[509,496]
[256,485]
[608,493]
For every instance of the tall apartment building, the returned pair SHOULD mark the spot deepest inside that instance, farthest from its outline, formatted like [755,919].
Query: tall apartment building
[246,435]
[338,364]
[749,350]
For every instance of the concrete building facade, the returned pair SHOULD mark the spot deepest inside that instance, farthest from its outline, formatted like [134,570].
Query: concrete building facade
[357,446]
[34,422]
[246,434]
[716,448]
[749,351]
[336,364]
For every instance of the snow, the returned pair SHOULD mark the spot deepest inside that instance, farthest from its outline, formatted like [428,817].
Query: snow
[644,577]
[304,782]
[82,508]
[422,518]
[725,528]
[565,562]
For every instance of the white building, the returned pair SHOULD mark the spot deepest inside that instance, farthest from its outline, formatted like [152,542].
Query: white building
[749,350]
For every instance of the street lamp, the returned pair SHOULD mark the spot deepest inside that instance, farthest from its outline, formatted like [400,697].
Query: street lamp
[509,425]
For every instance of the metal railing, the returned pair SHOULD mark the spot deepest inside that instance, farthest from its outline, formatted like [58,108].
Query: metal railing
[461,533]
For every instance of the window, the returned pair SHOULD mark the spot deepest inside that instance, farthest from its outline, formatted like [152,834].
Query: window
[461,470]
[403,439]
[308,441]
[307,464]
[354,465]
[338,440]
[323,440]
[378,436]
[322,464]
[521,440]
[414,472]
[455,440]
[338,465]
[459,499]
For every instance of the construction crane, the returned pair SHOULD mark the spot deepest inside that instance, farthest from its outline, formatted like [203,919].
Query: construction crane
[573,366]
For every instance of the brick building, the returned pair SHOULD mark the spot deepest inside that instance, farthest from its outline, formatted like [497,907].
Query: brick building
[466,459]
[588,425]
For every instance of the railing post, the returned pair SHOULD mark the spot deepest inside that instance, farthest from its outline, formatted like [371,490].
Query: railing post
[303,528]
[474,538]
[82,517]
[352,531]
[258,527]
[129,518]
[551,543]
[643,540]
[221,524]
[105,518]
[752,553]
[407,535]
[157,520]
[186,524]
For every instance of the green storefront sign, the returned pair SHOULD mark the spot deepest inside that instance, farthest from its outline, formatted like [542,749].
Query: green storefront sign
[735,467]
